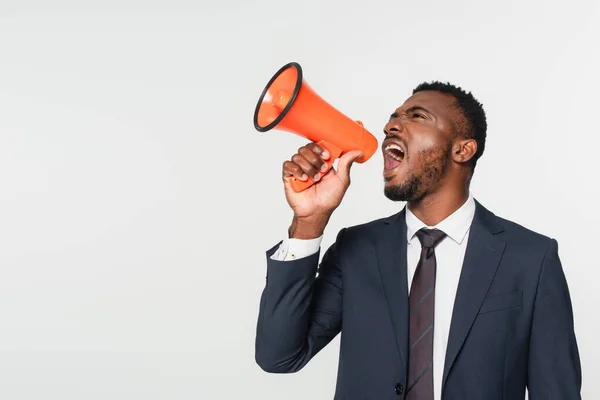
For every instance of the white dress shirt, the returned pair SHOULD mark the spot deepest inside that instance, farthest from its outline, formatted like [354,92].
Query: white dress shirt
[449,255]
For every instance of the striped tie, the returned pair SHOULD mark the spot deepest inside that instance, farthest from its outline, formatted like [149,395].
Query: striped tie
[421,299]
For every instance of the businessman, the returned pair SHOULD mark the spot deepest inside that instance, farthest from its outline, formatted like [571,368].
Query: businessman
[443,300]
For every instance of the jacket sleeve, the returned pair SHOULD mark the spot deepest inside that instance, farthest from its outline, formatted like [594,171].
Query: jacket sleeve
[554,365]
[300,312]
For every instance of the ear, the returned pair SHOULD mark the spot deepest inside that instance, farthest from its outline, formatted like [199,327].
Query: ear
[464,150]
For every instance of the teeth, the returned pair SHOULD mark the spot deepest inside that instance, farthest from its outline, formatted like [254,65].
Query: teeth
[395,147]
[391,153]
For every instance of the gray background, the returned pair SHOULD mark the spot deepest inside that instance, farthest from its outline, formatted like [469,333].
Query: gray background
[137,200]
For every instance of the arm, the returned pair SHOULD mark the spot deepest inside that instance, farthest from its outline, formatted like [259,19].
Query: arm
[554,365]
[299,313]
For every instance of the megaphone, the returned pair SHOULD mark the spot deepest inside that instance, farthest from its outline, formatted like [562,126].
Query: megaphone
[289,104]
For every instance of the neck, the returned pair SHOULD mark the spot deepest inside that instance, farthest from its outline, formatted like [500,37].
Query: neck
[436,207]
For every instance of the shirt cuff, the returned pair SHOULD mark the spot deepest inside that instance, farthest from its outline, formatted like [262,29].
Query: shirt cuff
[294,249]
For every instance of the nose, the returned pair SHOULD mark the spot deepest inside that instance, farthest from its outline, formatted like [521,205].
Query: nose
[394,126]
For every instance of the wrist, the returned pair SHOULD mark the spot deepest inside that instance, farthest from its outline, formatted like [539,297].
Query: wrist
[308,227]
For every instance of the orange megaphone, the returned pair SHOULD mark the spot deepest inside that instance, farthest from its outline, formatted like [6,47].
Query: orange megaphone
[289,104]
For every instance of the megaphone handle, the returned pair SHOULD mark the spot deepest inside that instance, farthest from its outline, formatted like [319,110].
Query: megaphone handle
[334,153]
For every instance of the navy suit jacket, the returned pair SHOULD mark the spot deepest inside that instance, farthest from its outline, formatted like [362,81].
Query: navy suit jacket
[512,322]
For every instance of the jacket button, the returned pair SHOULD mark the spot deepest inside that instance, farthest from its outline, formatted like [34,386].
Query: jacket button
[399,389]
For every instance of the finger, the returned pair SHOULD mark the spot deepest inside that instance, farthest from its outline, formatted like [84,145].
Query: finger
[322,152]
[292,169]
[313,158]
[346,162]
[307,167]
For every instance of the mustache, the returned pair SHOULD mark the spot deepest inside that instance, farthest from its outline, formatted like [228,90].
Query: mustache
[399,139]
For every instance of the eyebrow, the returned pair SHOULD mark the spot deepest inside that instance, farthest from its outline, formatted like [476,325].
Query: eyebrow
[419,108]
[412,109]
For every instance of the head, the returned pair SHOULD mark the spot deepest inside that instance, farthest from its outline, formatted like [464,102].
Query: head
[433,142]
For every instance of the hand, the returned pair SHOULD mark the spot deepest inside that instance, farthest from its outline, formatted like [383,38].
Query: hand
[313,206]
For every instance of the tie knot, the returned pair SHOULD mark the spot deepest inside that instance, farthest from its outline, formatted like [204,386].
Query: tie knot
[429,238]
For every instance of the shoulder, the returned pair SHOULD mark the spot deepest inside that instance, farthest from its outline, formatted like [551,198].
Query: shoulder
[376,224]
[520,232]
[515,233]
[371,231]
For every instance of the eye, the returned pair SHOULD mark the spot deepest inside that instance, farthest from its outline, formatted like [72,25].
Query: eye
[418,115]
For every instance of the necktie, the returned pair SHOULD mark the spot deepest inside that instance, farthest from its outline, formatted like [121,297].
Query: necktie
[421,300]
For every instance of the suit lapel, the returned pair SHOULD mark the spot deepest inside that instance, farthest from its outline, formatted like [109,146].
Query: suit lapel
[391,259]
[482,257]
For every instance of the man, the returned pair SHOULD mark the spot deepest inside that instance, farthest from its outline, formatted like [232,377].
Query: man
[443,300]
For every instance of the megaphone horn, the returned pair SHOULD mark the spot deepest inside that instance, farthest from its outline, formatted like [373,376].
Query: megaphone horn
[289,104]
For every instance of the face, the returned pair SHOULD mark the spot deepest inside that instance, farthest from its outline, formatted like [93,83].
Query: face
[418,146]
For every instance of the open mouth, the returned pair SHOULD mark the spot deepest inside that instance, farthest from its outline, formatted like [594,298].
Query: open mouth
[393,156]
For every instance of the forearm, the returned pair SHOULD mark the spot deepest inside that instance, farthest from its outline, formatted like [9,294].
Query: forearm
[299,312]
[285,313]
[308,227]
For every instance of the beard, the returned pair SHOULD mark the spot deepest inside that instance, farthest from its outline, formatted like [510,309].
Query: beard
[434,163]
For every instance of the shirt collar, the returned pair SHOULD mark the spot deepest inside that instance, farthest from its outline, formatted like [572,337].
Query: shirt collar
[455,226]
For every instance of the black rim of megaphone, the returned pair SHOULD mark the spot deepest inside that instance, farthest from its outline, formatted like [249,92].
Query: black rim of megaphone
[289,104]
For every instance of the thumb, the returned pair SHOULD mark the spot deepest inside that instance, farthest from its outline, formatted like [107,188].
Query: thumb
[346,162]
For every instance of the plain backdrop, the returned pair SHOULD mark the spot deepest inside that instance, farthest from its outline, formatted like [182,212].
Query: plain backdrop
[137,200]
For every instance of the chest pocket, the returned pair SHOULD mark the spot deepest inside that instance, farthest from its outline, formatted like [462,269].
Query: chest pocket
[501,301]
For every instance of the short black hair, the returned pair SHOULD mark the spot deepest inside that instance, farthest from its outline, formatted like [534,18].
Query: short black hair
[472,110]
